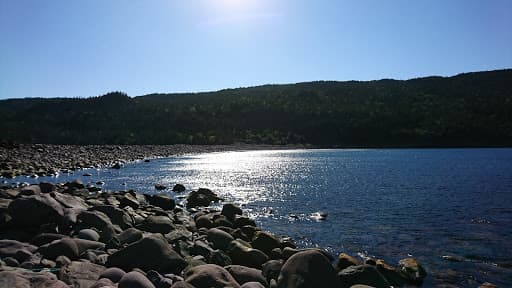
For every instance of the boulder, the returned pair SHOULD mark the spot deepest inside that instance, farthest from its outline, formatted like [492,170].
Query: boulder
[149,253]
[117,216]
[252,285]
[94,219]
[308,268]
[265,242]
[156,224]
[76,184]
[413,270]
[70,201]
[128,200]
[35,210]
[47,187]
[103,283]
[362,274]
[201,197]
[244,274]
[210,275]
[271,269]
[204,221]
[160,186]
[231,210]
[88,234]
[182,284]
[178,188]
[129,236]
[158,280]
[163,201]
[30,190]
[219,257]
[114,274]
[63,247]
[345,260]
[135,279]
[81,274]
[240,254]
[219,238]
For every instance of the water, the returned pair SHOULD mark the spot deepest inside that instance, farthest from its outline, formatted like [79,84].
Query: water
[386,203]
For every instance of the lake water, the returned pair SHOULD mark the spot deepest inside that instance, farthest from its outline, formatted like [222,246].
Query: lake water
[386,203]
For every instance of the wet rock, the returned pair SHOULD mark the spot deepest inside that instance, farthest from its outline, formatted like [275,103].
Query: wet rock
[160,186]
[128,200]
[47,187]
[149,253]
[271,269]
[117,166]
[75,184]
[308,269]
[240,254]
[135,279]
[219,238]
[35,210]
[162,201]
[201,197]
[81,274]
[21,278]
[345,260]
[244,274]
[88,234]
[413,270]
[210,275]
[362,274]
[204,221]
[288,252]
[231,210]
[244,221]
[17,250]
[156,224]
[178,188]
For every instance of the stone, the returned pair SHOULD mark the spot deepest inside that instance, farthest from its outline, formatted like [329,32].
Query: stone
[103,283]
[114,274]
[17,250]
[362,274]
[345,260]
[231,210]
[163,201]
[156,224]
[129,236]
[94,219]
[271,269]
[413,270]
[240,254]
[47,187]
[210,275]
[35,210]
[88,234]
[219,238]
[149,253]
[182,284]
[288,252]
[204,221]
[201,197]
[80,274]
[128,200]
[178,188]
[308,268]
[252,285]
[265,242]
[219,257]
[244,274]
[77,184]
[160,186]
[30,190]
[117,216]
[63,247]
[135,279]
[70,201]
[394,276]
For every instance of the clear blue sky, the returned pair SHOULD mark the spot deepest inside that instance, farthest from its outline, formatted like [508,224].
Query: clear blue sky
[57,48]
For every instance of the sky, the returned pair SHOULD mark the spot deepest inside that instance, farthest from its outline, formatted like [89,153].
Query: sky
[62,48]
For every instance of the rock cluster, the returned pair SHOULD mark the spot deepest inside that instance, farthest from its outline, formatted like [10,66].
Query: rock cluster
[68,235]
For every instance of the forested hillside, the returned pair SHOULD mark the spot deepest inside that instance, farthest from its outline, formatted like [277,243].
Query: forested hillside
[473,109]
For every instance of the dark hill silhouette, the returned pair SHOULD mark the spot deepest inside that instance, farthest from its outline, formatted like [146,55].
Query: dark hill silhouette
[471,109]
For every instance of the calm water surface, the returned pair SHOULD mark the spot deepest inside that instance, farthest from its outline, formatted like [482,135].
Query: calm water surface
[387,203]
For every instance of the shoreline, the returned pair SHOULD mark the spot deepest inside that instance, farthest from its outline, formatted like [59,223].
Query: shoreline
[50,159]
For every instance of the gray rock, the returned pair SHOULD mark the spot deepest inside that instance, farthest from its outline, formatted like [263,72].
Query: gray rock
[21,278]
[252,285]
[135,279]
[114,274]
[210,275]
[219,238]
[80,274]
[117,216]
[156,224]
[201,197]
[362,274]
[163,201]
[413,270]
[265,242]
[271,269]
[308,269]
[149,253]
[129,236]
[35,210]
[244,274]
[178,188]
[231,210]
[240,254]
[88,234]
[17,250]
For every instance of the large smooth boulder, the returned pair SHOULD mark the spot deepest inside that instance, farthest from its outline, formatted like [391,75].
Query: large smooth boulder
[35,210]
[219,238]
[244,274]
[231,210]
[88,234]
[156,224]
[201,197]
[252,285]
[69,247]
[362,274]
[117,216]
[81,274]
[308,268]
[130,235]
[135,279]
[149,253]
[265,242]
[114,274]
[210,276]
[178,188]
[240,254]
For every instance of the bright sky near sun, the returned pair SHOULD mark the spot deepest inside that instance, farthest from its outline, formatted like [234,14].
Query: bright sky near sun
[62,48]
